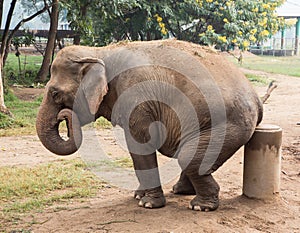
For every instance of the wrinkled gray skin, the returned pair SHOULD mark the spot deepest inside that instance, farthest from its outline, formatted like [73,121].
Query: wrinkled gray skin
[206,107]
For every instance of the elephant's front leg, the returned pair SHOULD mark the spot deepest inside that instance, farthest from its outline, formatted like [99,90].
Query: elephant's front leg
[149,192]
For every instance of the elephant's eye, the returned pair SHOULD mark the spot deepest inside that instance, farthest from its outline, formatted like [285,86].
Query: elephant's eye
[54,94]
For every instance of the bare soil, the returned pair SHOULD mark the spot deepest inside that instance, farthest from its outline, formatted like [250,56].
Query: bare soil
[115,210]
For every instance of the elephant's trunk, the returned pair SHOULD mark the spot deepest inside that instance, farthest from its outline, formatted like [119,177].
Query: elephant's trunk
[47,126]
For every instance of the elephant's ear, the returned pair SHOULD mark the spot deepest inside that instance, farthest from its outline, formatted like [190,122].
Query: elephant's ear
[93,81]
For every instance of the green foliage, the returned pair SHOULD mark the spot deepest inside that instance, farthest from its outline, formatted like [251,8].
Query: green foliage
[23,73]
[221,23]
[23,188]
[26,40]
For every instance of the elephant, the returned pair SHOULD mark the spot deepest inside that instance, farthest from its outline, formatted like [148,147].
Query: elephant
[183,100]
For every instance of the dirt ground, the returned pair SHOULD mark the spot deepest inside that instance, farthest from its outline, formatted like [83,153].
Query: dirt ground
[115,210]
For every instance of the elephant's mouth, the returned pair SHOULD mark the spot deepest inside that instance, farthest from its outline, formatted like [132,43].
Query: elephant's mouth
[73,126]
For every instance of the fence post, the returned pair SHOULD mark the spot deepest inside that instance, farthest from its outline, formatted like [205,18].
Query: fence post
[297,36]
[262,163]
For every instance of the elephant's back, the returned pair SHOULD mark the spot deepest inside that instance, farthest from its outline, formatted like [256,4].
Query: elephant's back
[220,82]
[195,62]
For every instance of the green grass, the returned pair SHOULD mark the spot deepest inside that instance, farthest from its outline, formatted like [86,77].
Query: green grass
[278,65]
[24,189]
[24,116]
[29,65]
[258,80]
[102,123]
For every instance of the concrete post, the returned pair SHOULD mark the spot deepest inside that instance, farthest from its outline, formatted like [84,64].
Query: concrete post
[262,163]
[297,40]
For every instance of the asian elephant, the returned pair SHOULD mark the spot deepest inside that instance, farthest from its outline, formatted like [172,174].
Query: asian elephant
[183,100]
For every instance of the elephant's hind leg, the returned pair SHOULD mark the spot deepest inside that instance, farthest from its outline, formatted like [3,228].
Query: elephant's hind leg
[207,193]
[206,188]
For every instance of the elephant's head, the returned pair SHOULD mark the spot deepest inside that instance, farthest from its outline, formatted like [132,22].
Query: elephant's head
[74,93]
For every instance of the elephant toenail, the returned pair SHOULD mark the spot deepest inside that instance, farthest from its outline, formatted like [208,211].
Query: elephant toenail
[141,203]
[148,205]
[197,208]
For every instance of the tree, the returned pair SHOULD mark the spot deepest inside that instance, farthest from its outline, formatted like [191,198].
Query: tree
[5,43]
[44,70]
[218,23]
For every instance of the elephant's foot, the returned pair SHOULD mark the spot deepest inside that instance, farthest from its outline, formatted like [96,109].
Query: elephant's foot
[151,198]
[207,189]
[184,188]
[204,204]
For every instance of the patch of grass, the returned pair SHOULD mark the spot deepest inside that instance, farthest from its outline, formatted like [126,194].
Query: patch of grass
[110,164]
[24,189]
[124,162]
[24,116]
[24,74]
[278,65]
[258,80]
[102,123]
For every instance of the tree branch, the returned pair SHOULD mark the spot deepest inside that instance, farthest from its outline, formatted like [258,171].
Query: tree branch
[271,87]
[16,28]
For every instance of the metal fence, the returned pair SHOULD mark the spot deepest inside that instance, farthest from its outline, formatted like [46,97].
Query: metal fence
[276,47]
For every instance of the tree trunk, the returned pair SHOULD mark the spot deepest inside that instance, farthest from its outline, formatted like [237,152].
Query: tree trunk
[44,70]
[76,40]
[3,108]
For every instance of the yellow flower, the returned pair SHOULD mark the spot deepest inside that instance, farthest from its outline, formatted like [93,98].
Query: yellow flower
[253,31]
[225,20]
[264,13]
[221,8]
[159,19]
[246,43]
[162,25]
[164,31]
[252,38]
[255,9]
[265,6]
[201,34]
[209,28]
[265,33]
[223,39]
[228,3]
[240,33]
[199,2]
[210,1]
[234,41]
[264,22]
